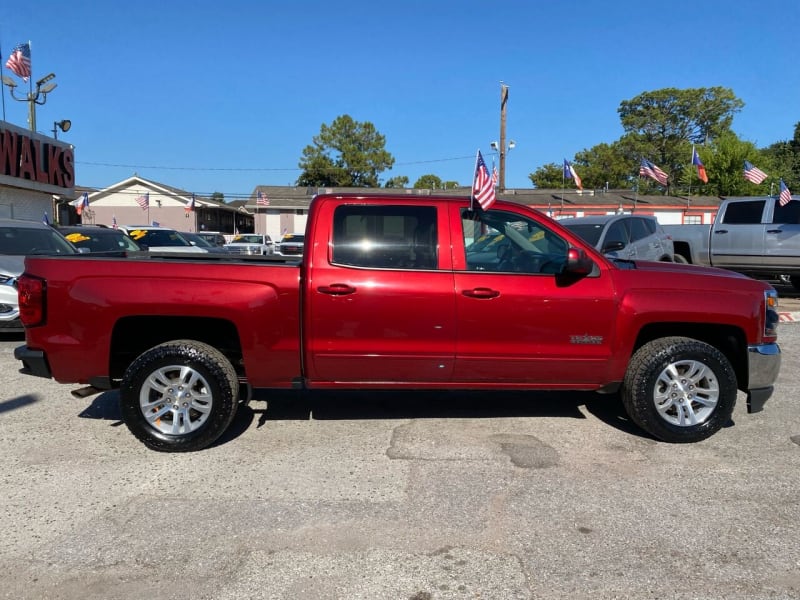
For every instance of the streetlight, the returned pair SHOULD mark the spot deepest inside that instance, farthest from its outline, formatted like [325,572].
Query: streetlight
[43,87]
[62,125]
[502,154]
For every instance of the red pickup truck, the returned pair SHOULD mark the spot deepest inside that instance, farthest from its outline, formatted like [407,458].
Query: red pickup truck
[401,292]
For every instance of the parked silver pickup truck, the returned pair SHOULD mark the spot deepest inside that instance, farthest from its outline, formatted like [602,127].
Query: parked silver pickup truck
[754,235]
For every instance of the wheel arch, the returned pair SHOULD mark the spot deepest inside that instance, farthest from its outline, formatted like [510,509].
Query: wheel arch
[133,335]
[729,340]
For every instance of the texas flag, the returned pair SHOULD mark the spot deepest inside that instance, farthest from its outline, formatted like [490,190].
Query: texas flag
[701,170]
[569,173]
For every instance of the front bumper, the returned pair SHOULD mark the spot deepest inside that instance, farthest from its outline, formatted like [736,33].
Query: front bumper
[763,364]
[34,362]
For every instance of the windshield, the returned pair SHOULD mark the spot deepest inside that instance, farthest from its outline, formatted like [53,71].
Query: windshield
[22,241]
[158,237]
[102,241]
[198,240]
[248,239]
[289,237]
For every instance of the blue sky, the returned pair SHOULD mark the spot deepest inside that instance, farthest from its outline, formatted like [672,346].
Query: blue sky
[223,96]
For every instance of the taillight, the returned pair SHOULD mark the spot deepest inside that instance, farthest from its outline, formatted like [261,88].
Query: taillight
[31,292]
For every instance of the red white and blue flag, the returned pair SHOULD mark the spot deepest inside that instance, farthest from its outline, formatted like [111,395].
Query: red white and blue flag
[113,221]
[190,206]
[785,196]
[648,169]
[701,170]
[483,184]
[144,201]
[753,173]
[19,62]
[83,203]
[569,173]
[261,199]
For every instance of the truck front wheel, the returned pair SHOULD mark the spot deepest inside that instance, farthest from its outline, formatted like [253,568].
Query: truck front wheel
[179,396]
[679,389]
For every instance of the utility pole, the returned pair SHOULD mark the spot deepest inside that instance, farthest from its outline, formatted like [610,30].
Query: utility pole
[503,103]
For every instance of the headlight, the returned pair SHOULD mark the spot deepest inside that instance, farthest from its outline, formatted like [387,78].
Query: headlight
[771,317]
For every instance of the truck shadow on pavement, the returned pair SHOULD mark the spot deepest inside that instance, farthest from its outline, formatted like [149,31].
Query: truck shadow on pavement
[292,405]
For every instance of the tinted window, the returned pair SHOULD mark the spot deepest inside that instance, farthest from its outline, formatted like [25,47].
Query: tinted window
[739,213]
[639,229]
[789,214]
[590,233]
[402,237]
[33,240]
[617,232]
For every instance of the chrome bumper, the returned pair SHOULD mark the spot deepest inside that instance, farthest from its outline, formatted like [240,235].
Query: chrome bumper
[763,364]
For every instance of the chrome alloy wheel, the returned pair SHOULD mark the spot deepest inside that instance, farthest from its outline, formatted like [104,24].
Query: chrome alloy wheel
[686,393]
[175,399]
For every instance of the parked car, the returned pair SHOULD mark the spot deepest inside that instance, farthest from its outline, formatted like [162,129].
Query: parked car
[201,241]
[631,237]
[99,239]
[292,244]
[251,243]
[19,239]
[160,239]
[215,238]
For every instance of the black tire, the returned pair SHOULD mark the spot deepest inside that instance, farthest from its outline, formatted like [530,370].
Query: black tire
[179,396]
[679,389]
[680,258]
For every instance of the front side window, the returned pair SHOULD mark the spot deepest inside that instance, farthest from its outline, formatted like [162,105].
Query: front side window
[518,244]
[744,213]
[385,237]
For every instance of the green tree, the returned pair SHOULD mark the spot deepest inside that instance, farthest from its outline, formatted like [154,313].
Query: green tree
[783,160]
[724,163]
[400,181]
[605,165]
[346,153]
[450,185]
[428,182]
[549,176]
[218,197]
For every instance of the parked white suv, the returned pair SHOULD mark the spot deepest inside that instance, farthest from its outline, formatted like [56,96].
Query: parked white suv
[19,239]
[638,237]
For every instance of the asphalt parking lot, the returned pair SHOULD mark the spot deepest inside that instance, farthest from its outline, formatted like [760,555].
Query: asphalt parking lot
[398,496]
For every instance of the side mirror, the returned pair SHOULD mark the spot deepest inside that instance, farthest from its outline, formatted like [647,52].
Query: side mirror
[578,263]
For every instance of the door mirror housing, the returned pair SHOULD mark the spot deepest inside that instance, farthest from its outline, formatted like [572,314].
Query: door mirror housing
[578,263]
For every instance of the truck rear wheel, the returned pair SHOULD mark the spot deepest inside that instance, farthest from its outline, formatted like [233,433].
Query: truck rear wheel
[179,396]
[679,389]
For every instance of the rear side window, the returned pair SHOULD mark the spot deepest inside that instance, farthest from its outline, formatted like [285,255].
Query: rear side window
[788,214]
[385,237]
[744,213]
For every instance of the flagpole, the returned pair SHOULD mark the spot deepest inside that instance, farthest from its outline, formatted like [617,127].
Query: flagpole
[3,86]
[474,173]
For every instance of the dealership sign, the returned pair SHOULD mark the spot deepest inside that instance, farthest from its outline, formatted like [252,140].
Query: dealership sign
[33,161]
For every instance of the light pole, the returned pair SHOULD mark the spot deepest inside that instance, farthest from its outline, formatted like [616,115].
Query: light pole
[502,148]
[43,87]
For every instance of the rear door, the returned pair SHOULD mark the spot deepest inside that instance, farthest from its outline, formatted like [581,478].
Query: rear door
[737,236]
[782,238]
[380,305]
[519,321]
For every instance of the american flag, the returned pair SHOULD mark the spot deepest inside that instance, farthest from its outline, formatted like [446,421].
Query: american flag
[482,186]
[495,176]
[569,173]
[20,60]
[752,173]
[262,199]
[786,195]
[144,200]
[648,169]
